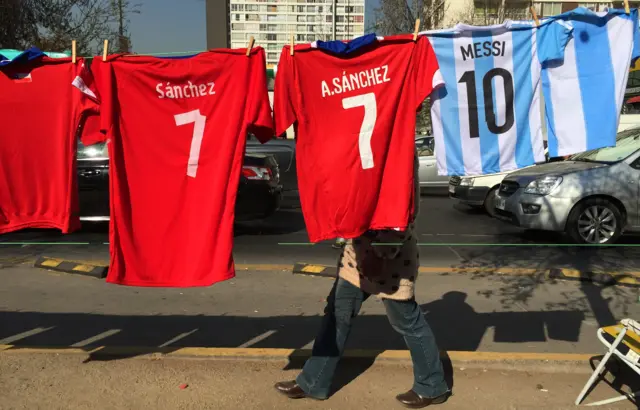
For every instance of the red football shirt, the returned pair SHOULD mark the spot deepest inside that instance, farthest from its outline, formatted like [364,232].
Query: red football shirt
[176,130]
[355,117]
[39,116]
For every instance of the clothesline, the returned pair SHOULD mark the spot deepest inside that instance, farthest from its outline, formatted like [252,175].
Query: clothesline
[154,54]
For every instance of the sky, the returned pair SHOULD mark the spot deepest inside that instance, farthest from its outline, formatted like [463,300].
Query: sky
[165,26]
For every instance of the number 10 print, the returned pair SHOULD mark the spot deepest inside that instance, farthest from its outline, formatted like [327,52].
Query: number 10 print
[469,78]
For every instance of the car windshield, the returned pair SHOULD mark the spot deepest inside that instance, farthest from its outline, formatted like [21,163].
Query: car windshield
[627,142]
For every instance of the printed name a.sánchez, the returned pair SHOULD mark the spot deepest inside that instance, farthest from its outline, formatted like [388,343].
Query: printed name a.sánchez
[356,81]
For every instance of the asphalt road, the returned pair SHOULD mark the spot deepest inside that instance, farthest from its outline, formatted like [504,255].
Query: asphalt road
[449,236]
[273,308]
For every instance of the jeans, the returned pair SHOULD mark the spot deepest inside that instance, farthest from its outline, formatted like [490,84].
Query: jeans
[405,317]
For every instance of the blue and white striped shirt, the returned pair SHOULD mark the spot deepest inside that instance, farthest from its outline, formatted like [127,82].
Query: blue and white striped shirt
[487,117]
[584,95]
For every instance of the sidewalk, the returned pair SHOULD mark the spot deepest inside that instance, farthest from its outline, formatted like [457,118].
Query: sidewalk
[47,381]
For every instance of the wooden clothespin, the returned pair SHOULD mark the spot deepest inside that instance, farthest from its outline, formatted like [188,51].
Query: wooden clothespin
[104,50]
[73,51]
[416,29]
[534,15]
[291,44]
[250,46]
[626,6]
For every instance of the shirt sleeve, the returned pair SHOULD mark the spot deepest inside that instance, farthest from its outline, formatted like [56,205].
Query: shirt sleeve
[95,83]
[427,70]
[552,38]
[284,98]
[259,108]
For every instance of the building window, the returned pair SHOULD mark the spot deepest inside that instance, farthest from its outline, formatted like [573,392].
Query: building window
[271,37]
[300,37]
[264,27]
[272,9]
[237,26]
[237,36]
[359,19]
[300,9]
[311,9]
[272,56]
[340,19]
[302,18]
[329,19]
[551,9]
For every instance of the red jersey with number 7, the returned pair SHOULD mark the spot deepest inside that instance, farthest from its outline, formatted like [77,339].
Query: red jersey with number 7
[176,131]
[354,108]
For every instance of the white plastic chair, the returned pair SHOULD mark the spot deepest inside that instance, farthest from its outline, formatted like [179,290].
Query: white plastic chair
[625,346]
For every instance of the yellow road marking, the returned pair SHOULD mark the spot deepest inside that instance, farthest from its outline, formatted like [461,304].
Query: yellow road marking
[83,268]
[313,269]
[216,352]
[51,263]
[625,277]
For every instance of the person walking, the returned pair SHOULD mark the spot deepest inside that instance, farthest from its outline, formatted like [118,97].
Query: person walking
[369,267]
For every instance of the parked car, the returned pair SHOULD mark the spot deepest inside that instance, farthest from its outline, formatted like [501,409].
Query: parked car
[592,196]
[259,191]
[476,191]
[284,151]
[480,191]
[428,171]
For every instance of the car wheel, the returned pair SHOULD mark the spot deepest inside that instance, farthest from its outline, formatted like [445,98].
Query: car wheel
[490,202]
[595,221]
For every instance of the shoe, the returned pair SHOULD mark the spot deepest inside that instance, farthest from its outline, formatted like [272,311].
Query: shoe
[291,390]
[413,400]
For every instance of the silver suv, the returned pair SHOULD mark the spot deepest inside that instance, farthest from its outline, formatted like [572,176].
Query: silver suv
[592,196]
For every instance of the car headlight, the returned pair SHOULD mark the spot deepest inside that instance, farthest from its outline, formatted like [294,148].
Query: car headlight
[466,182]
[543,186]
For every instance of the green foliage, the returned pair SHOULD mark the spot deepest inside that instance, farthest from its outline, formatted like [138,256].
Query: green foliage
[52,24]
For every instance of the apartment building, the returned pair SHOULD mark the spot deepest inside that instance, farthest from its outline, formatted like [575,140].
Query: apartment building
[494,11]
[271,22]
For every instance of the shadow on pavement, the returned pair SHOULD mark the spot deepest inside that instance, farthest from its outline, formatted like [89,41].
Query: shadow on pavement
[455,323]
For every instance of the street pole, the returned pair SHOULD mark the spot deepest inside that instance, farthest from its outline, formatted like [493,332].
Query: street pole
[335,2]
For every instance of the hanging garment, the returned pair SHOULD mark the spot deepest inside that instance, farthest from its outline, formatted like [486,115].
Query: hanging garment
[39,116]
[487,117]
[354,106]
[176,131]
[584,94]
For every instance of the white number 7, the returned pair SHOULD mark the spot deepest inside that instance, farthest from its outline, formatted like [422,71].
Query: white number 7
[368,101]
[196,140]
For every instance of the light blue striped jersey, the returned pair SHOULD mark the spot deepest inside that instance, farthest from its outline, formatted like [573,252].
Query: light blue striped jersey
[486,119]
[583,96]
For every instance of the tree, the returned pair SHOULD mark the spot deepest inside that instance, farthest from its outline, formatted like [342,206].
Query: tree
[399,16]
[52,24]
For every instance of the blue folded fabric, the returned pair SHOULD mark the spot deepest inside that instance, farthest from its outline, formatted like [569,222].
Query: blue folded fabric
[339,47]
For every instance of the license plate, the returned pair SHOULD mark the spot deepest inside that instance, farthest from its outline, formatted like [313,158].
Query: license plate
[452,189]
[500,203]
